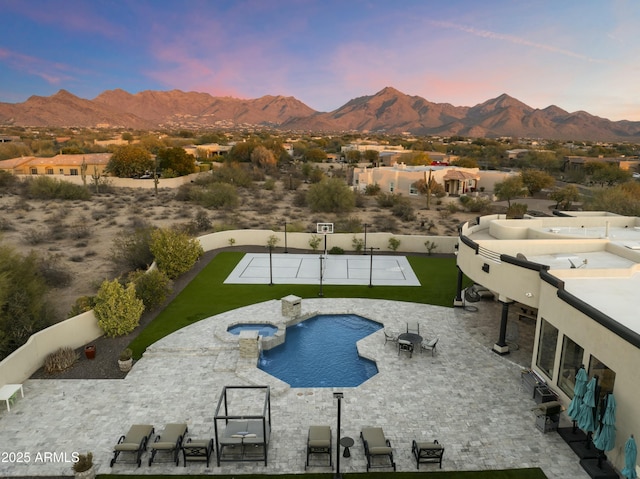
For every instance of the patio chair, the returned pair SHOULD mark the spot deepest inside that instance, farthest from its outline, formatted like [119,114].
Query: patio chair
[319,442]
[427,452]
[169,441]
[376,445]
[390,336]
[413,327]
[406,346]
[430,345]
[135,442]
[197,450]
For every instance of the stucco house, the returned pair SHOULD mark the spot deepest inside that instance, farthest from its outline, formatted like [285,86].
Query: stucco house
[577,277]
[63,165]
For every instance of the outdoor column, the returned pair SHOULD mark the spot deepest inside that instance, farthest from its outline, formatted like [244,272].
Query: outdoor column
[501,346]
[458,302]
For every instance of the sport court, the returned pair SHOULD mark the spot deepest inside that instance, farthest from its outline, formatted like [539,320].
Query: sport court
[380,270]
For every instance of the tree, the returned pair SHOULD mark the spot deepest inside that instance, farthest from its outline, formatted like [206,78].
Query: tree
[353,156]
[129,161]
[564,197]
[152,287]
[314,155]
[330,195]
[372,156]
[416,158]
[512,187]
[177,160]
[132,250]
[535,180]
[117,308]
[24,309]
[263,157]
[466,162]
[175,252]
[621,199]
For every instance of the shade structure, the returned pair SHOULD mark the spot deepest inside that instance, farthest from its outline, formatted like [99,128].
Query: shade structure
[630,457]
[578,393]
[586,420]
[605,437]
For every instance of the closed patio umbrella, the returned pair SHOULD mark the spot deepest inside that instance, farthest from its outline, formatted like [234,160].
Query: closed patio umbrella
[578,393]
[605,438]
[586,420]
[630,456]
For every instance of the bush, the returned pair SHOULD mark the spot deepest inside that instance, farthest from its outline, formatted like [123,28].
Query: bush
[152,287]
[352,224]
[372,190]
[330,195]
[394,243]
[132,251]
[516,210]
[175,252]
[215,195]
[358,244]
[84,462]
[82,305]
[117,309]
[404,211]
[46,188]
[387,200]
[54,274]
[336,250]
[60,360]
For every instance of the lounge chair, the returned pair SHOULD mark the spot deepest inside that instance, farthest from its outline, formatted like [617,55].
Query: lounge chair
[406,346]
[319,442]
[376,446]
[135,442]
[430,345]
[427,452]
[197,450]
[169,441]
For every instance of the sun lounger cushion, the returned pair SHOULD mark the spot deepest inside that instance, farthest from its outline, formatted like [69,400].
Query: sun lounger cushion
[319,436]
[133,439]
[170,436]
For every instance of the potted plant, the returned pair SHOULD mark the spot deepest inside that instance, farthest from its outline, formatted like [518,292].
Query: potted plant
[125,361]
[83,467]
[90,351]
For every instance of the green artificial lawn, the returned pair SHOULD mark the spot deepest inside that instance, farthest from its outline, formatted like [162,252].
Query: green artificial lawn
[534,473]
[206,295]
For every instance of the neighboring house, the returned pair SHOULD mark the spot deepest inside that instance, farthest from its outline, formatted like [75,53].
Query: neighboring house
[400,178]
[63,165]
[576,163]
[578,278]
[207,151]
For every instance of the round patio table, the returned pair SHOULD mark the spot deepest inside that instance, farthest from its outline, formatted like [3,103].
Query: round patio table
[346,442]
[413,338]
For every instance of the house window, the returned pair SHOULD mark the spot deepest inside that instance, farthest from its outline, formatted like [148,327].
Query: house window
[606,376]
[73,172]
[413,190]
[61,171]
[570,361]
[547,347]
[391,186]
[34,171]
[49,171]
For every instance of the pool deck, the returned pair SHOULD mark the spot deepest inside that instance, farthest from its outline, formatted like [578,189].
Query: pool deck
[468,398]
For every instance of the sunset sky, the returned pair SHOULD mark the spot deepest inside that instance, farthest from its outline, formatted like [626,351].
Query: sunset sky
[576,54]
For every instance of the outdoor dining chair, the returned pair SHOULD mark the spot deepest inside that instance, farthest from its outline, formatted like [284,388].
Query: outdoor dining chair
[406,346]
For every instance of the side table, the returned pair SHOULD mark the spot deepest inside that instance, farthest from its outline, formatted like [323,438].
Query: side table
[346,442]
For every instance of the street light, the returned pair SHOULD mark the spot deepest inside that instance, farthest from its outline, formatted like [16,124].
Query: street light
[371,267]
[339,397]
[285,238]
[365,237]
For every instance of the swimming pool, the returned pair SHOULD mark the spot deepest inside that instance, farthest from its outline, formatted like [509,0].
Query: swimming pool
[321,352]
[263,329]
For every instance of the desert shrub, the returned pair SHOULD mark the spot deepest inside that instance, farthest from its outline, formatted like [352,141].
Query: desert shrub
[175,252]
[479,205]
[516,210]
[431,246]
[336,250]
[46,188]
[54,274]
[404,210]
[233,174]
[300,199]
[60,360]
[352,224]
[131,250]
[358,244]
[82,305]
[57,231]
[314,242]
[215,195]
[330,195]
[152,287]
[117,308]
[394,243]
[452,208]
[80,230]
[386,223]
[296,227]
[372,190]
[6,225]
[7,179]
[34,236]
[387,200]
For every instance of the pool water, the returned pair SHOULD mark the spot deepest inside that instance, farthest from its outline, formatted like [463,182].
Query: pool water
[321,352]
[263,329]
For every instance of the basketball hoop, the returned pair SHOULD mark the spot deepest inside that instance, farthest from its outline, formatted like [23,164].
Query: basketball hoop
[324,228]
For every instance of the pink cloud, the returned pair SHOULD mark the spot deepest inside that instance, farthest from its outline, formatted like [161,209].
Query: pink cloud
[52,72]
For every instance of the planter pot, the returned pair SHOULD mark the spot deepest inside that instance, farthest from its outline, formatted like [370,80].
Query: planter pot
[88,474]
[125,365]
[90,351]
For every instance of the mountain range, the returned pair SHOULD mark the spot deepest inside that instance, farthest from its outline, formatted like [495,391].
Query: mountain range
[388,111]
